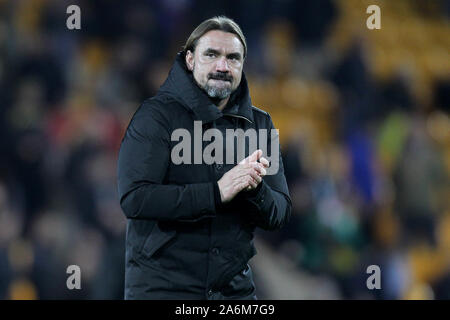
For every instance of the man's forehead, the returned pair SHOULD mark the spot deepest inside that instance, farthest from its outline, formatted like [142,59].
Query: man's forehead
[220,40]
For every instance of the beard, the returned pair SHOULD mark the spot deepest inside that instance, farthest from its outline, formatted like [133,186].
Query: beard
[216,92]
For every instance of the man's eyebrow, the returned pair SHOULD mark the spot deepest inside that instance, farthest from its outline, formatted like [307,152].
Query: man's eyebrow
[211,50]
[235,55]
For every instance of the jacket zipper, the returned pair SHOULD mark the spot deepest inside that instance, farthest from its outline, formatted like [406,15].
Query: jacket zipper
[236,116]
[210,227]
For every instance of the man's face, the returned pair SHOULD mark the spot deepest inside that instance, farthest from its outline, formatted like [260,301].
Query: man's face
[217,63]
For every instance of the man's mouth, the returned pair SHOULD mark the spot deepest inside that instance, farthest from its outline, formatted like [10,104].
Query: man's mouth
[223,80]
[220,78]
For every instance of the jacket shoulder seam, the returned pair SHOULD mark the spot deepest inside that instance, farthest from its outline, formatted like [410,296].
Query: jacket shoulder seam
[261,111]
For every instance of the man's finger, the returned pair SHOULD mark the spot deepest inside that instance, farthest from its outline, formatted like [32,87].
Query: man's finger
[253,157]
[264,162]
[263,172]
[255,176]
[260,168]
[241,186]
[252,182]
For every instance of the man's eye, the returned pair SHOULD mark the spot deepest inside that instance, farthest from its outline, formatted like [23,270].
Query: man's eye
[211,55]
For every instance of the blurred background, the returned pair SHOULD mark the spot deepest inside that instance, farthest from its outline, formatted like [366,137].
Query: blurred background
[364,126]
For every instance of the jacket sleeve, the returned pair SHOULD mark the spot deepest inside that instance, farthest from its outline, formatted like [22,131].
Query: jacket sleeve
[270,202]
[142,164]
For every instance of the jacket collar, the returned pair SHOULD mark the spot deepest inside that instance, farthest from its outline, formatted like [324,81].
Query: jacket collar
[181,86]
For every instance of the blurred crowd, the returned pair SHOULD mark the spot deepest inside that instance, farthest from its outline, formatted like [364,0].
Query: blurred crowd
[363,118]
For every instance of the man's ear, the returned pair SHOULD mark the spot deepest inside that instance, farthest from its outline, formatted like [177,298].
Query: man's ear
[190,60]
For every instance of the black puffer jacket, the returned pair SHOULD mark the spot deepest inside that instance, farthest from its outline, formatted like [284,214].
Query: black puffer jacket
[182,243]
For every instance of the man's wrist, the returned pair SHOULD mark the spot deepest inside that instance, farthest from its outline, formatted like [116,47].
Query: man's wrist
[254,192]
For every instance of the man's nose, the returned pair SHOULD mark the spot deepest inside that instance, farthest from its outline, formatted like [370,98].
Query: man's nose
[222,65]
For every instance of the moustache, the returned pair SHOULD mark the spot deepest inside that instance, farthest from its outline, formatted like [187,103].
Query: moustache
[220,76]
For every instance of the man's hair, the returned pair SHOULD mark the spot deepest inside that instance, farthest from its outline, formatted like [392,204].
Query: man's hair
[221,23]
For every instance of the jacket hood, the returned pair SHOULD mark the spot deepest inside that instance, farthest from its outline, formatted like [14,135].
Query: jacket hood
[181,86]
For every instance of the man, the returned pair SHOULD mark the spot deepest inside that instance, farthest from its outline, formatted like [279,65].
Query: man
[191,222]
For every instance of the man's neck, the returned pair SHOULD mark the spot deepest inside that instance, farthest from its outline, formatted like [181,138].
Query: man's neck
[221,104]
